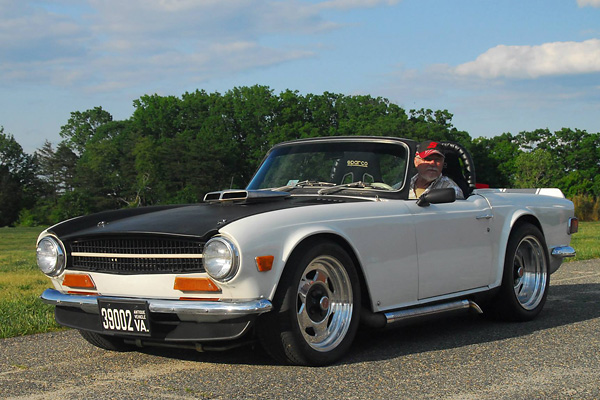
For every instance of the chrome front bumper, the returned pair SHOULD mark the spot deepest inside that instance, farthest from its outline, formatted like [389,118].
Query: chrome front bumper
[224,310]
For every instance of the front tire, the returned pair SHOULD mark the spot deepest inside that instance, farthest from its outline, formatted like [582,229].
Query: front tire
[526,278]
[315,309]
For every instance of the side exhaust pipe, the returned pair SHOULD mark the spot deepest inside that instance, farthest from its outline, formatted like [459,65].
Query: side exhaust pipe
[401,315]
[380,320]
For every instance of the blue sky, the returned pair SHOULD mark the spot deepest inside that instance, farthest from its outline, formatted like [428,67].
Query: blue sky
[498,66]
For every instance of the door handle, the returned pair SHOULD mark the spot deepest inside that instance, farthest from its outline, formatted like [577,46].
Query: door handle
[485,216]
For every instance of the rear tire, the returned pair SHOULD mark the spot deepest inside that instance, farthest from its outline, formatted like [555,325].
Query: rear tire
[105,342]
[315,309]
[526,278]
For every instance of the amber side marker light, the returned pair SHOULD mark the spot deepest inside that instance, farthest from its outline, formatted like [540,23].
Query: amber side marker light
[264,263]
[79,281]
[187,284]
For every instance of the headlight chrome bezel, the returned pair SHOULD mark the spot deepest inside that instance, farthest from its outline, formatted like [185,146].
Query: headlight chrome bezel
[53,248]
[220,258]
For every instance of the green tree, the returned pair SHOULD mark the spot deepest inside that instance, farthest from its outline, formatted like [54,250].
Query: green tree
[575,155]
[249,113]
[157,116]
[106,173]
[18,185]
[437,125]
[56,169]
[82,126]
[175,149]
[293,118]
[10,197]
[534,169]
[494,160]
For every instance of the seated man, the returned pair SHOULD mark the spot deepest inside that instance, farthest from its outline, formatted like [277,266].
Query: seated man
[429,161]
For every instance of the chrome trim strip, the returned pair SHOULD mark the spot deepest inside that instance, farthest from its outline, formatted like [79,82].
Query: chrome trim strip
[121,255]
[185,307]
[563,252]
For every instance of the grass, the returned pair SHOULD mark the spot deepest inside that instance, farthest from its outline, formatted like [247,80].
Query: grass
[21,282]
[587,241]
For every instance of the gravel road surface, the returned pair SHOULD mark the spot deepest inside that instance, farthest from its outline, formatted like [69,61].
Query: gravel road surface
[557,356]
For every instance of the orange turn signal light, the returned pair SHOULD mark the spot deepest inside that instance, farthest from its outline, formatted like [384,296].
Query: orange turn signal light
[187,284]
[80,281]
[264,263]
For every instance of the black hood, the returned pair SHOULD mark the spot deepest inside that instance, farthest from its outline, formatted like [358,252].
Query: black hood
[200,220]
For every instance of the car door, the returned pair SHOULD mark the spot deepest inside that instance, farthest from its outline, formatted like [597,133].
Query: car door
[453,246]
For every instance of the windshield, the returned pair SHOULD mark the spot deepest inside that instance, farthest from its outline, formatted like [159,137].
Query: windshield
[377,165]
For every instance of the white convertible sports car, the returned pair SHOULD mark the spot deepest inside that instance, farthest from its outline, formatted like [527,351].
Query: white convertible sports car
[322,240]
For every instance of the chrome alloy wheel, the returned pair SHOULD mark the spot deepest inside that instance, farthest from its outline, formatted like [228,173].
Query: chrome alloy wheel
[324,303]
[530,272]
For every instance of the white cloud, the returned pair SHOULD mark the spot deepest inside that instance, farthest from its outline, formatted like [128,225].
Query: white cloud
[549,59]
[32,34]
[350,4]
[492,107]
[591,3]
[93,44]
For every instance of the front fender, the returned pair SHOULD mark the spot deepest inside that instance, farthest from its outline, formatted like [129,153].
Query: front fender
[276,234]
[380,235]
[279,242]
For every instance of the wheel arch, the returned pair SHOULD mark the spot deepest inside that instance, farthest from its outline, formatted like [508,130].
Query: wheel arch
[517,219]
[526,219]
[346,246]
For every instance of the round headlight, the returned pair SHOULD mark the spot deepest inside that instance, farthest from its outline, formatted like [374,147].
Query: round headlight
[50,256]
[220,258]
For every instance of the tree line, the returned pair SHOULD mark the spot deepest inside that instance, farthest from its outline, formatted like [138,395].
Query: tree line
[175,149]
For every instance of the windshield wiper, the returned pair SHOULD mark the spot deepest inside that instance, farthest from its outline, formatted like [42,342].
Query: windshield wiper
[359,184]
[337,188]
[302,184]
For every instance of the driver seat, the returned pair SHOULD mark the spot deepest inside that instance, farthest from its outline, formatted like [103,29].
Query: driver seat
[454,169]
[356,166]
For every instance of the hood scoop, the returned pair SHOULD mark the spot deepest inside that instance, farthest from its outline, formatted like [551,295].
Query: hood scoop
[244,196]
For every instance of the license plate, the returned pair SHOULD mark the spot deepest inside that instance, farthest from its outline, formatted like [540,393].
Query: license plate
[130,317]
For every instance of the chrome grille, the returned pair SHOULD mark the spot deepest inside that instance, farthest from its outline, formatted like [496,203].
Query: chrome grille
[136,255]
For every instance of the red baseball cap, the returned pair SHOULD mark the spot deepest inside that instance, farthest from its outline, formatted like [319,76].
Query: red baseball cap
[427,148]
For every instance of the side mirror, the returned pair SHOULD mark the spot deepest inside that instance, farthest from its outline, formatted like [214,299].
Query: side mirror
[437,196]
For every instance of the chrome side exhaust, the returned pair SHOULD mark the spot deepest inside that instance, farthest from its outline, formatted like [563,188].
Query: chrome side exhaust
[380,320]
[402,315]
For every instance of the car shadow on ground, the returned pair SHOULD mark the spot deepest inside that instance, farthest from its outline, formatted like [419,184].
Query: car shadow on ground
[566,304]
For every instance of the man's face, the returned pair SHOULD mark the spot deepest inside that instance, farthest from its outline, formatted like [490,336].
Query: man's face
[430,167]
